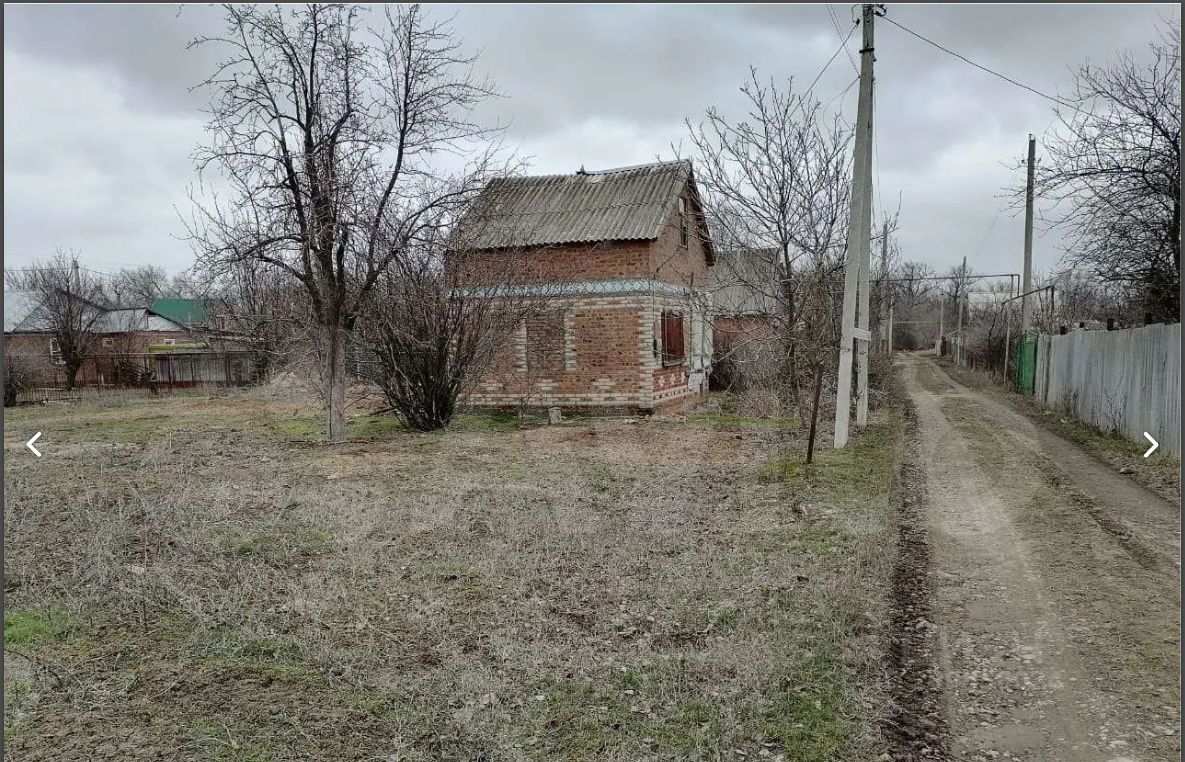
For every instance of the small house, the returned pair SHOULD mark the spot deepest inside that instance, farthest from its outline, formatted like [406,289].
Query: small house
[629,258]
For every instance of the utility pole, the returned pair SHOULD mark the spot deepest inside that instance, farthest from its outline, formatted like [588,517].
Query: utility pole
[859,231]
[863,324]
[885,308]
[941,315]
[1027,283]
[959,301]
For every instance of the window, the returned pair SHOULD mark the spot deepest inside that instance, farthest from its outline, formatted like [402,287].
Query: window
[170,342]
[108,342]
[672,338]
[55,352]
[682,221]
[545,343]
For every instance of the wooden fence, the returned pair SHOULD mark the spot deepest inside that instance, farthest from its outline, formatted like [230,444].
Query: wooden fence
[1126,382]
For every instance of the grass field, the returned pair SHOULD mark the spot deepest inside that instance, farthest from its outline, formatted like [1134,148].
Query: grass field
[199,578]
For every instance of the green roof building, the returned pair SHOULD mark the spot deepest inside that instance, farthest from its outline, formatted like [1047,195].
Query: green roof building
[188,312]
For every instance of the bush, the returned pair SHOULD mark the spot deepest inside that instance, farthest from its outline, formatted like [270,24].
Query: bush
[17,378]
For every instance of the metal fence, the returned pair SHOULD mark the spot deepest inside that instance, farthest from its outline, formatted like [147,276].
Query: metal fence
[149,373]
[1126,382]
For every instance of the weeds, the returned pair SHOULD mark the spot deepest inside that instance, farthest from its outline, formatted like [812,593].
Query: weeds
[25,628]
[259,593]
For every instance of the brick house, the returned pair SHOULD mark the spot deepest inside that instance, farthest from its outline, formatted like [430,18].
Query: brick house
[628,256]
[121,337]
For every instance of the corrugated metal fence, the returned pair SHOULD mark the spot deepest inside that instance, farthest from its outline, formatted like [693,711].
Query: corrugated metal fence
[1126,382]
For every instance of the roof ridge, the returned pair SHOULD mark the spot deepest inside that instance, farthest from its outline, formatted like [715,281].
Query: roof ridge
[588,172]
[631,167]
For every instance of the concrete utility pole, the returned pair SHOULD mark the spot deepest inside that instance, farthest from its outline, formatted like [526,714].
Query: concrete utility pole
[859,231]
[863,324]
[959,301]
[941,315]
[1027,282]
[885,307]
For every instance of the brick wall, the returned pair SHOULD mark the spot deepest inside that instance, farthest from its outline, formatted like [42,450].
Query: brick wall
[673,262]
[31,351]
[608,342]
[549,264]
[664,259]
[602,343]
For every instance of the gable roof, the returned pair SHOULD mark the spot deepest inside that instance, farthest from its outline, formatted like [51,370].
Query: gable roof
[132,319]
[23,313]
[623,204]
[184,311]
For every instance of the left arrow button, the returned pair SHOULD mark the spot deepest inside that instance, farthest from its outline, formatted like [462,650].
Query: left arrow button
[29,444]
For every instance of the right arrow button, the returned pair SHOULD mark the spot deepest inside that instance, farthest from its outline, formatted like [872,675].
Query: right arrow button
[1155,444]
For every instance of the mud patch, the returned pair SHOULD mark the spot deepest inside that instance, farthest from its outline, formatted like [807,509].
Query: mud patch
[915,726]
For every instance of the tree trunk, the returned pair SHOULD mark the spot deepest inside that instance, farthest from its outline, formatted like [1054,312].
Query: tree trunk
[810,442]
[333,376]
[792,319]
[72,368]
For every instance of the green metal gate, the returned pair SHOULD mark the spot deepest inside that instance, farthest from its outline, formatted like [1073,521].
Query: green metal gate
[1026,364]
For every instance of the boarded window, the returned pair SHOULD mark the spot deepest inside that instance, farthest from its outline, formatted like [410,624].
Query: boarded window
[545,343]
[672,338]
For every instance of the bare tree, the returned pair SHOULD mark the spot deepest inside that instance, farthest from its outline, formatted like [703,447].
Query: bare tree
[188,285]
[138,286]
[915,309]
[778,179]
[326,129]
[259,310]
[71,302]
[18,376]
[914,281]
[1112,173]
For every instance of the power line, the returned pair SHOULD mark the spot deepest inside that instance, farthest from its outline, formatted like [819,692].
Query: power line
[981,67]
[842,93]
[844,40]
[63,269]
[843,45]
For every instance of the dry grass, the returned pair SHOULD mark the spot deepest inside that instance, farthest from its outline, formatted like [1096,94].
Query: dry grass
[199,578]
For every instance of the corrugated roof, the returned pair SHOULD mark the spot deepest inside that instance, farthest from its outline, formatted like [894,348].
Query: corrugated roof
[183,311]
[133,319]
[747,282]
[624,204]
[22,312]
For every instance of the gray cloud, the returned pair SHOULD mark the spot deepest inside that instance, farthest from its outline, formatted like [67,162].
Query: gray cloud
[101,121]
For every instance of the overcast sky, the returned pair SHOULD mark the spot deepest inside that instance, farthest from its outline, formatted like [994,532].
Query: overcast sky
[100,123]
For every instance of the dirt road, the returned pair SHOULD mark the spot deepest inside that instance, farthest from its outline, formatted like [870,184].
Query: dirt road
[1055,582]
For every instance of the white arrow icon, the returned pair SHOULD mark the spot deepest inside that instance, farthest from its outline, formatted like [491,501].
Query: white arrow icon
[1155,444]
[29,444]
